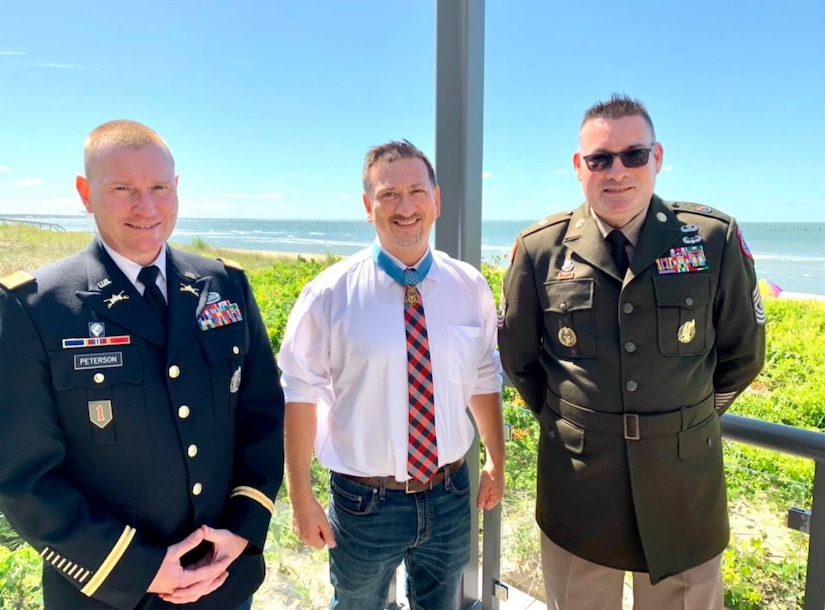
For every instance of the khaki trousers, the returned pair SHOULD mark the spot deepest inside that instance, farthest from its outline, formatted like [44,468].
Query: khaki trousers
[573,583]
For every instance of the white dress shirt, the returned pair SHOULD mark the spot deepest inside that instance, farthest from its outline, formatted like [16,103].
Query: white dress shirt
[131,269]
[345,350]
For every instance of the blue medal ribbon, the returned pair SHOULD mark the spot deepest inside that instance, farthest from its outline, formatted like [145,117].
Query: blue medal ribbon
[405,277]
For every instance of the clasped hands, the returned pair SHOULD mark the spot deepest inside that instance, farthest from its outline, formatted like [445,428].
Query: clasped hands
[178,584]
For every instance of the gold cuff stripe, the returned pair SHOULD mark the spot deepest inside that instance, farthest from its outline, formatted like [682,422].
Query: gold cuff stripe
[254,494]
[84,577]
[110,562]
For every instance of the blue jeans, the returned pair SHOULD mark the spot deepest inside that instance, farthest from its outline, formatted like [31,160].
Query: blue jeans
[376,529]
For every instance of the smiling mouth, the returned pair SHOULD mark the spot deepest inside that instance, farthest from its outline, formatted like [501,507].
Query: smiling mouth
[618,189]
[142,226]
[406,222]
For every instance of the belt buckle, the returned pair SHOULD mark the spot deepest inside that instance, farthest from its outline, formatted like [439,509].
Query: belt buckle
[631,427]
[413,482]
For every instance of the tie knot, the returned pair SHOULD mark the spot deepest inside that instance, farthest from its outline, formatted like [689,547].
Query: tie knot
[148,275]
[411,276]
[617,239]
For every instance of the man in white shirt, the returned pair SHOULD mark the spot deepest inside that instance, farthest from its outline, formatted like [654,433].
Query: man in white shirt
[393,428]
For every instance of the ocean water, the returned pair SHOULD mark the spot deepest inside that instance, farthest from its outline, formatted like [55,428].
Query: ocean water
[789,254]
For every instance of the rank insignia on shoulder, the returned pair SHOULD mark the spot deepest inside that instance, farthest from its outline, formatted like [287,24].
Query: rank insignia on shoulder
[758,307]
[230,263]
[16,279]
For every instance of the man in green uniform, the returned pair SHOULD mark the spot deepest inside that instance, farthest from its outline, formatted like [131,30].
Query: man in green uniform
[629,325]
[141,449]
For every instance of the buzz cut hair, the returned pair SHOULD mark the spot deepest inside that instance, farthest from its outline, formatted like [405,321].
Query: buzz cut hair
[618,106]
[120,133]
[389,152]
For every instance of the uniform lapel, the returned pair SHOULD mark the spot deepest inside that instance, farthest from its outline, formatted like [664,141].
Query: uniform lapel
[584,238]
[113,297]
[660,232]
[187,292]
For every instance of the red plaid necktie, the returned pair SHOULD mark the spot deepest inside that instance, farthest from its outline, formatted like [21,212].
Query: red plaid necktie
[422,460]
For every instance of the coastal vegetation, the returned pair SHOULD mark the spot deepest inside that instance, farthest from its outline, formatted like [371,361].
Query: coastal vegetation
[764,566]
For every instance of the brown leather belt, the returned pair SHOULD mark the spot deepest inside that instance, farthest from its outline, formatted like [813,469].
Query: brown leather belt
[410,486]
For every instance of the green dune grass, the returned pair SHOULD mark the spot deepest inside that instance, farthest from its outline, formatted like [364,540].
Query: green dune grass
[765,564]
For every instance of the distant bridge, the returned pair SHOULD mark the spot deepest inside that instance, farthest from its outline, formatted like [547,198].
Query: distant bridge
[47,226]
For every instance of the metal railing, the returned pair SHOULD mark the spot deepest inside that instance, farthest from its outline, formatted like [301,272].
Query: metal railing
[778,437]
[47,226]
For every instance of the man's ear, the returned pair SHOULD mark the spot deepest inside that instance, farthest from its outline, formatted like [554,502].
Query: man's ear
[367,206]
[84,190]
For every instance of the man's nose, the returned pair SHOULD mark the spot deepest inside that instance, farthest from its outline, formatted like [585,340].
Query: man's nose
[617,169]
[143,202]
[405,204]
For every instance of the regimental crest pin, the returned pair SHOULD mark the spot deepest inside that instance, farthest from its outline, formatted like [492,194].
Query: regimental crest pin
[97,329]
[235,382]
[100,413]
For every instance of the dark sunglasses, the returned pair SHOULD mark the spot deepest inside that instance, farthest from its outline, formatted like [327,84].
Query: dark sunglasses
[631,158]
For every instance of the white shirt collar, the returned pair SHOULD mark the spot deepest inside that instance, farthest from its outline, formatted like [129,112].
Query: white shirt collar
[131,269]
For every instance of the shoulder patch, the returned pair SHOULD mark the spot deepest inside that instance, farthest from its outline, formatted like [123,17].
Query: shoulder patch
[230,263]
[16,279]
[697,208]
[548,221]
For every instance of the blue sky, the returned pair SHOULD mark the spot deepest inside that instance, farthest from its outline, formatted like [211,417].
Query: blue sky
[270,106]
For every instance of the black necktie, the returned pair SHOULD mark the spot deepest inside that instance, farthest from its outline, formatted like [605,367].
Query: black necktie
[618,249]
[151,292]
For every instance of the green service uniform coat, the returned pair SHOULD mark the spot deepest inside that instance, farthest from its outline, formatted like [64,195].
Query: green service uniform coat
[628,377]
[120,437]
